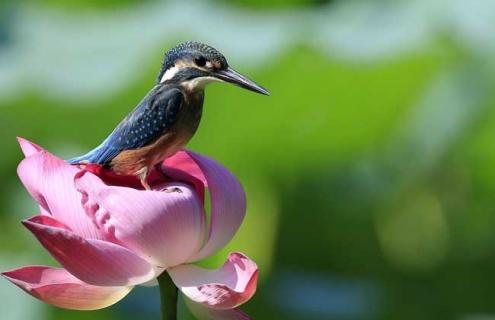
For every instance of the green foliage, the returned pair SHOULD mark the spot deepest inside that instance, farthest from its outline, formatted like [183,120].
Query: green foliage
[379,172]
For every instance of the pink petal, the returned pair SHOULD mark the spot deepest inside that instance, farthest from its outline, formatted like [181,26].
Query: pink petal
[228,201]
[111,178]
[200,312]
[50,181]
[27,147]
[59,288]
[166,228]
[48,221]
[93,261]
[185,166]
[182,167]
[225,288]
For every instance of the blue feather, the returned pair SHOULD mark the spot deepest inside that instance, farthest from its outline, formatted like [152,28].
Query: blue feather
[152,118]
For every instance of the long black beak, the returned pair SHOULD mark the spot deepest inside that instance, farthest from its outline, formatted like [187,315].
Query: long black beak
[234,77]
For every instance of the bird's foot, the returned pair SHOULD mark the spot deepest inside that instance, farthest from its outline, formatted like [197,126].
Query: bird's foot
[172,189]
[142,174]
[145,184]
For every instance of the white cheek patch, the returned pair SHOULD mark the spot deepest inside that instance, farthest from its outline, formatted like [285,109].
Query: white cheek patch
[199,83]
[169,74]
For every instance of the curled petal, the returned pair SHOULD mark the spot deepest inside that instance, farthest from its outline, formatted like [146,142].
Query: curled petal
[48,221]
[27,147]
[228,200]
[93,261]
[225,288]
[59,288]
[50,181]
[164,227]
[200,312]
[182,167]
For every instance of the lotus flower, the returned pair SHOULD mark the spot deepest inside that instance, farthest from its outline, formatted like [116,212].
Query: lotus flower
[109,235]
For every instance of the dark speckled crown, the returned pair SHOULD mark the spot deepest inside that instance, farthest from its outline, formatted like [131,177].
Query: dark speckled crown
[191,49]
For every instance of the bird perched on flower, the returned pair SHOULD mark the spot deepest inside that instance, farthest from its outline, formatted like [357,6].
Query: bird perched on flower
[168,116]
[109,238]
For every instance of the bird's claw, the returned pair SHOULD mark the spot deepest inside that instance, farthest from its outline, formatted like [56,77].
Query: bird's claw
[145,185]
[172,189]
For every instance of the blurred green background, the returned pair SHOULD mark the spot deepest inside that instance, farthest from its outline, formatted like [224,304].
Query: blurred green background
[370,171]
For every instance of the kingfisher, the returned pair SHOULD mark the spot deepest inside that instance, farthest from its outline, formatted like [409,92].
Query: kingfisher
[169,115]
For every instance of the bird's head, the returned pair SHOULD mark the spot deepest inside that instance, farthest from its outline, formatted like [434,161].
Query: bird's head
[195,64]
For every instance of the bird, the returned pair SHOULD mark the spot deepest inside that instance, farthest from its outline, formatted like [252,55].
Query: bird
[168,116]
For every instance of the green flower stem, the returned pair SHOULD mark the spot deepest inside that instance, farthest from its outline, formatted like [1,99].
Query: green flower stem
[168,297]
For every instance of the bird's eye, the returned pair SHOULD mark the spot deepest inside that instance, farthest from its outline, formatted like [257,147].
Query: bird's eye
[200,62]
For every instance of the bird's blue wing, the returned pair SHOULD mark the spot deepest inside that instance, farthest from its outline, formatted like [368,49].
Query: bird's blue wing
[154,115]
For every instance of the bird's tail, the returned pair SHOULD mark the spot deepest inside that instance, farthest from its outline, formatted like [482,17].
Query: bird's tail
[78,160]
[85,158]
